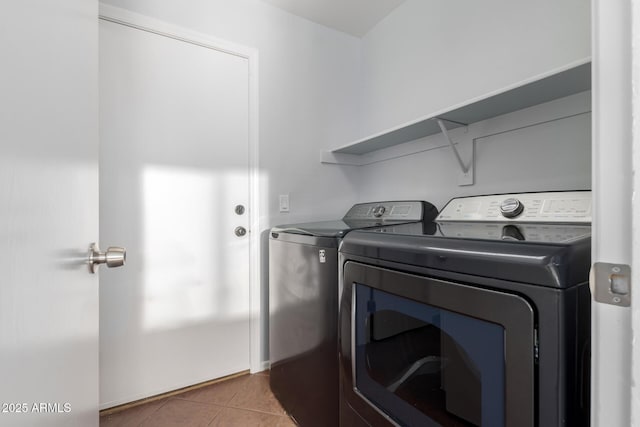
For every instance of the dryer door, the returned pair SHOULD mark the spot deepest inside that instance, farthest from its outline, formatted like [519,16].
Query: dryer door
[423,351]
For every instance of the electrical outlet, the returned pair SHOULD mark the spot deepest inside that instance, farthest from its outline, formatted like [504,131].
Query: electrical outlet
[284,203]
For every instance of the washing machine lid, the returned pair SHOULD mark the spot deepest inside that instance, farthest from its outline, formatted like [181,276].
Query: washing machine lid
[552,264]
[511,232]
[338,228]
[363,216]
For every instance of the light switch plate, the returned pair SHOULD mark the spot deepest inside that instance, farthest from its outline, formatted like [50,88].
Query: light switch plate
[284,203]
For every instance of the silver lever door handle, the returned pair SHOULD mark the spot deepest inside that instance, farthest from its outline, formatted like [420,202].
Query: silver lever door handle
[113,257]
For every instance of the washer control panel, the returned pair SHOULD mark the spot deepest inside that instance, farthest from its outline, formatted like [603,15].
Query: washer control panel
[530,232]
[409,210]
[550,207]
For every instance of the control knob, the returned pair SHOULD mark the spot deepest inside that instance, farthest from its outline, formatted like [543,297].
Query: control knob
[511,208]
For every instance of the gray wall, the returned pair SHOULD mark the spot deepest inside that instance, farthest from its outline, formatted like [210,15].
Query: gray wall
[428,56]
[542,148]
[309,91]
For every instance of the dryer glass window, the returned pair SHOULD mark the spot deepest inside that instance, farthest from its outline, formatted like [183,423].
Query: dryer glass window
[424,365]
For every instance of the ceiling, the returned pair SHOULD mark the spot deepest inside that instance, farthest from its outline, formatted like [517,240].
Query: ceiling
[354,17]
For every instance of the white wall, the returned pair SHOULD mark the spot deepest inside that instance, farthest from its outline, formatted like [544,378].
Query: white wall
[429,55]
[308,91]
[541,148]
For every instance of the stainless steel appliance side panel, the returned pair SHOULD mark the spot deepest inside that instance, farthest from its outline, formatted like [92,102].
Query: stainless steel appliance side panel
[303,313]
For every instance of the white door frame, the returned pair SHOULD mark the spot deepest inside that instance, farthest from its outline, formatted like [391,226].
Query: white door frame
[635,242]
[635,248]
[144,23]
[614,400]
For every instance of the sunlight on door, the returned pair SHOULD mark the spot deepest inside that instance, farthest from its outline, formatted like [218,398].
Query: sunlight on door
[184,227]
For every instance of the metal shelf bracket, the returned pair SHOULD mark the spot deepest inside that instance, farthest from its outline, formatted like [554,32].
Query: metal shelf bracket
[466,178]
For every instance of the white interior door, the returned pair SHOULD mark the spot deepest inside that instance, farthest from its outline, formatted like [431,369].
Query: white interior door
[48,213]
[173,167]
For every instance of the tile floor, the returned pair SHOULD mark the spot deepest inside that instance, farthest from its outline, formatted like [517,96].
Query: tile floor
[245,401]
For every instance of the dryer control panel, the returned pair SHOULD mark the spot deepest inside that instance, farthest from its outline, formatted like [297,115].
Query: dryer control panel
[405,210]
[551,207]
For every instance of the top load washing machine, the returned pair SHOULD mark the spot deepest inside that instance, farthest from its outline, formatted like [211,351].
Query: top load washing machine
[303,306]
[482,320]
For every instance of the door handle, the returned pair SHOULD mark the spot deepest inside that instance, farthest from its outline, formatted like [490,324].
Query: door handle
[114,257]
